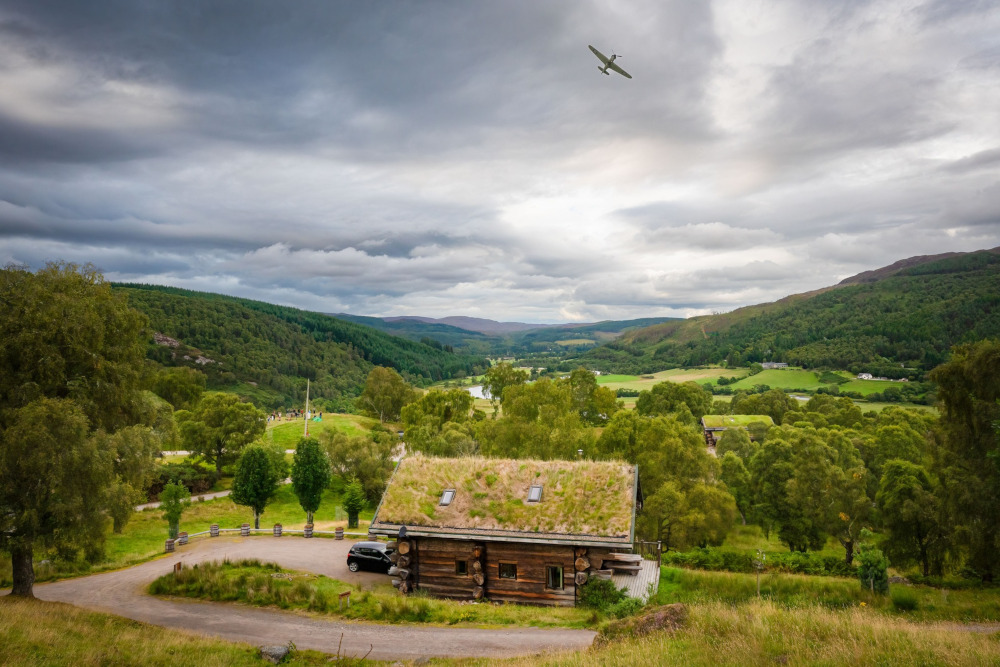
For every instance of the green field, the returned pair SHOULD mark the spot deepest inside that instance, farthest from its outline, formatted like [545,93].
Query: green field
[640,382]
[720,421]
[145,533]
[576,341]
[288,432]
[782,378]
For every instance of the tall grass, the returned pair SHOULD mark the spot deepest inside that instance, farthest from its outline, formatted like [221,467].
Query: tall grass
[766,633]
[33,632]
[794,591]
[266,584]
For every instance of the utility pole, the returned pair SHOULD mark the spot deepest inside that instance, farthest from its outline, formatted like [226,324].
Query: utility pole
[306,430]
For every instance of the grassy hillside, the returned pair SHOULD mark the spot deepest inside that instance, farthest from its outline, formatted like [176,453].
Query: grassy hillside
[269,351]
[912,315]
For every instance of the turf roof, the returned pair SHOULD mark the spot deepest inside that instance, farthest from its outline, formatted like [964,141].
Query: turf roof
[578,497]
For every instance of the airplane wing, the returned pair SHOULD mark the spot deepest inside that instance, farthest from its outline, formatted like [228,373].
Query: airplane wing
[619,70]
[604,58]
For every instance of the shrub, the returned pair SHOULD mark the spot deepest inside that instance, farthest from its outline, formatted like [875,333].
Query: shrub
[601,594]
[729,560]
[873,568]
[196,478]
[904,599]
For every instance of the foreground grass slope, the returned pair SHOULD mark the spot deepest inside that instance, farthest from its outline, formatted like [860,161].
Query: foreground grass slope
[766,633]
[33,632]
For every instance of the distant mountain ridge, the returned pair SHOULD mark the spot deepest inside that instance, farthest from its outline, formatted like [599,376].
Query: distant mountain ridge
[478,324]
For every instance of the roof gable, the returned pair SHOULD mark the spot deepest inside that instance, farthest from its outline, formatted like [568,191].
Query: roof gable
[582,498]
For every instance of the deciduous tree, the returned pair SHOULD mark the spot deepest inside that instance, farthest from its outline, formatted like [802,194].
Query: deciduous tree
[385,394]
[174,499]
[255,482]
[220,426]
[310,475]
[498,378]
[968,452]
[69,370]
[353,502]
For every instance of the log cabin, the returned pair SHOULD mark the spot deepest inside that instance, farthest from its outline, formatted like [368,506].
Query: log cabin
[509,530]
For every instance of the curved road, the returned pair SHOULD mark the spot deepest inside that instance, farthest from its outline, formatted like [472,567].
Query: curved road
[123,593]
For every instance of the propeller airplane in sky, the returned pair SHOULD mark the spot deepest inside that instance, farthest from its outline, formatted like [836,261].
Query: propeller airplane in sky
[609,62]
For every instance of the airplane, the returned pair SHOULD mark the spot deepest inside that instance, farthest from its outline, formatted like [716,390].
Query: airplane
[609,62]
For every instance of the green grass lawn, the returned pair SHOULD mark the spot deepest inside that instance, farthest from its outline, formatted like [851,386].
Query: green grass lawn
[146,532]
[640,382]
[865,387]
[782,378]
[287,433]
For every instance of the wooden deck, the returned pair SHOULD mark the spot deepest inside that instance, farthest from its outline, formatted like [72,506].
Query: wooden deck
[639,585]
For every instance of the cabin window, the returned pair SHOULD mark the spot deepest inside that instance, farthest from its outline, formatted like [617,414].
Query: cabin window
[535,493]
[447,496]
[554,577]
[462,567]
[508,570]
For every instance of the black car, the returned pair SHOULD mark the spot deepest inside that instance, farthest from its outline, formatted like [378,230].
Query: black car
[369,556]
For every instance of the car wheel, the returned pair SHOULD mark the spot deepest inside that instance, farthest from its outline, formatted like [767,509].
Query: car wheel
[353,566]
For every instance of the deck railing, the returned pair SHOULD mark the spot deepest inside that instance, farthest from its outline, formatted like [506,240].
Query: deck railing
[648,550]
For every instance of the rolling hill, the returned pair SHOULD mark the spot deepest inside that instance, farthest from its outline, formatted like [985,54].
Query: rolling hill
[267,352]
[479,336]
[909,313]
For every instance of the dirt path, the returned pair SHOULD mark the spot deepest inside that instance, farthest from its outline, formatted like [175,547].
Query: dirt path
[123,593]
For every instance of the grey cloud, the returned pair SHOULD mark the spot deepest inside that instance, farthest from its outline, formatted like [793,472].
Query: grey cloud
[981,160]
[440,158]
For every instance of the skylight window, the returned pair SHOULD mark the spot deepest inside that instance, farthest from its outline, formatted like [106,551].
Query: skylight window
[447,496]
[535,493]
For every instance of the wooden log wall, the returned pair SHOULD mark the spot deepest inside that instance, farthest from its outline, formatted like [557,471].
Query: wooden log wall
[434,570]
[438,574]
[530,585]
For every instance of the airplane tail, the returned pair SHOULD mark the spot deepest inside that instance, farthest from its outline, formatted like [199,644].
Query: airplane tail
[603,70]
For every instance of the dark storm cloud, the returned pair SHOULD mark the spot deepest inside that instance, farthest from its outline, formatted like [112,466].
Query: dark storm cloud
[442,158]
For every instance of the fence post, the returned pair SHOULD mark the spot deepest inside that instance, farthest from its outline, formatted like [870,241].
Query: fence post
[308,531]
[338,533]
[168,547]
[245,530]
[277,530]
[214,530]
[182,537]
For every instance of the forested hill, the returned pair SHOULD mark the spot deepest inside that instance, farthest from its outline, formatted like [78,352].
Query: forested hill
[912,314]
[270,350]
[522,341]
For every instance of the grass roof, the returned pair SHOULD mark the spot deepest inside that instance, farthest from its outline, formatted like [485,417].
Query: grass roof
[578,497]
[734,421]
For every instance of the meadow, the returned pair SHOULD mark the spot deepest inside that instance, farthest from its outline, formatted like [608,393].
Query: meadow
[287,432]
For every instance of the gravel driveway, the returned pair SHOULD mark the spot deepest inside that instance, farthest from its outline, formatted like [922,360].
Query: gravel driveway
[123,593]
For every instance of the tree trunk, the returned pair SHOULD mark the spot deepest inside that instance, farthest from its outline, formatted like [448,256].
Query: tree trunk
[849,551]
[256,520]
[23,570]
[309,517]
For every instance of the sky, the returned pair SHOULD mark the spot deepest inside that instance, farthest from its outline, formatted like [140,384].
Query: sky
[456,158]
